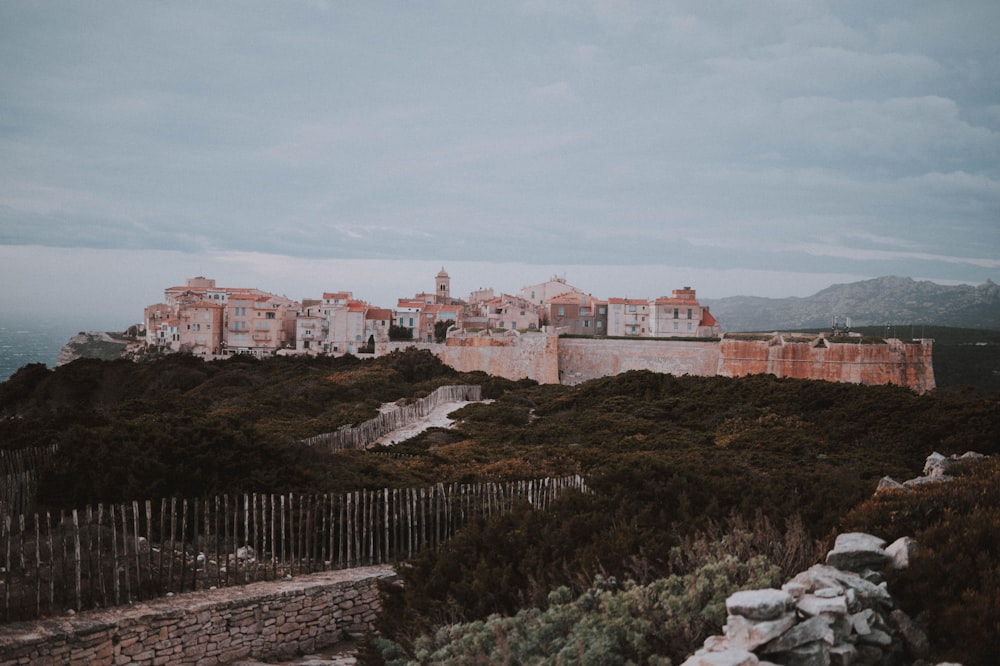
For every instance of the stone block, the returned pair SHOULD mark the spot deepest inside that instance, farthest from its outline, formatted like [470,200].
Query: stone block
[795,589]
[812,630]
[843,654]
[729,657]
[767,604]
[748,634]
[854,551]
[810,605]
[816,653]
[868,654]
[875,637]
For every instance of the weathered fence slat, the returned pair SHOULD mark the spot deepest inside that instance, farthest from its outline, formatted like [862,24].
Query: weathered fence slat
[299,533]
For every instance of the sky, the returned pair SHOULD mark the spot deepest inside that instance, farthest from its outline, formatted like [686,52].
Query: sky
[759,148]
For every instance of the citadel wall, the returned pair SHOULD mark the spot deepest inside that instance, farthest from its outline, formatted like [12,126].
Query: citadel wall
[582,359]
[894,362]
[547,358]
[530,355]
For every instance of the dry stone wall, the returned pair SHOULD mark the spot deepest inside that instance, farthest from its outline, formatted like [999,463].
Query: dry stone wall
[256,621]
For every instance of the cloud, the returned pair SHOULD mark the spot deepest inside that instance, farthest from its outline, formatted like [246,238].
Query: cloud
[924,129]
[806,136]
[560,91]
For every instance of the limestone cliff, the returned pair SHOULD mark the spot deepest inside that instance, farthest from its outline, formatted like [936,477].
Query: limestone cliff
[94,344]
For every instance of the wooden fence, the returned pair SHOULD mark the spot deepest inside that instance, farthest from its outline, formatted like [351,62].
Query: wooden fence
[116,554]
[360,437]
[19,477]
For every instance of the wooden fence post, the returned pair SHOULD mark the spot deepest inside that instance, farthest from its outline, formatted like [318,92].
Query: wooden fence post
[76,558]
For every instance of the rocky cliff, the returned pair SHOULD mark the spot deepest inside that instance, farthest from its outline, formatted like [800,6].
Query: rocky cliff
[94,344]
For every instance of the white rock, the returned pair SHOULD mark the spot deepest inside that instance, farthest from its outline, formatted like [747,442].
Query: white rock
[855,551]
[727,658]
[795,589]
[810,605]
[767,604]
[900,551]
[750,634]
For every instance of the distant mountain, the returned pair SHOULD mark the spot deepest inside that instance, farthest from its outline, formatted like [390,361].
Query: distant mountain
[884,301]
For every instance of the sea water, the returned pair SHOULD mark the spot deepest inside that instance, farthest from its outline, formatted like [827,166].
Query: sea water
[25,340]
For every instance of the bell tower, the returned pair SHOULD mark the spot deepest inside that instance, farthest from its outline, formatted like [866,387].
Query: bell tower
[442,286]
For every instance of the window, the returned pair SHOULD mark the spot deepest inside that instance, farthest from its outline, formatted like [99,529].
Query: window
[677,314]
[689,313]
[600,310]
[586,323]
[690,325]
[631,308]
[675,325]
[561,311]
[600,324]
[270,315]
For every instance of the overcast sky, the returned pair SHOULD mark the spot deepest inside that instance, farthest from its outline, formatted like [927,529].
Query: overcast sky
[766,148]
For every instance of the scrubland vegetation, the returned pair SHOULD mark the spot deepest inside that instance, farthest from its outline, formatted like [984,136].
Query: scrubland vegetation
[699,486]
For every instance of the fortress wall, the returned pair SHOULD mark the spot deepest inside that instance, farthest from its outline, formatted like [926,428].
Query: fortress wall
[583,359]
[896,363]
[549,359]
[530,355]
[255,621]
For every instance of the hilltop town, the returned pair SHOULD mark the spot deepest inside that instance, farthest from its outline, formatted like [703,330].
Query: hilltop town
[550,332]
[214,322]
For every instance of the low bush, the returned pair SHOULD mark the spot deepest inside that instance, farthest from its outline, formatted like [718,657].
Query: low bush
[953,582]
[607,623]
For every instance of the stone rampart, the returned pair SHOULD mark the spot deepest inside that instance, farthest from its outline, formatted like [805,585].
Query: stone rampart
[893,362]
[549,359]
[255,621]
[514,356]
[581,359]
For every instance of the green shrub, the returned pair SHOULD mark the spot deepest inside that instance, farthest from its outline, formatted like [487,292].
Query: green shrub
[606,624]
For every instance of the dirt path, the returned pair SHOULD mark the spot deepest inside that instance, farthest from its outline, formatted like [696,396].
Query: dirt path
[436,419]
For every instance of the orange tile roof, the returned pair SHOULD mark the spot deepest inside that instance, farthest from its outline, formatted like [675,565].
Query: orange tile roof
[378,313]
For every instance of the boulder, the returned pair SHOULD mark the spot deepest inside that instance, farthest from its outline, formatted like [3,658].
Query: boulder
[936,465]
[900,551]
[887,483]
[855,551]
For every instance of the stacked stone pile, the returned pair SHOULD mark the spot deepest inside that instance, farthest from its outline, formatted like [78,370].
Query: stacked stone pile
[936,470]
[834,614]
